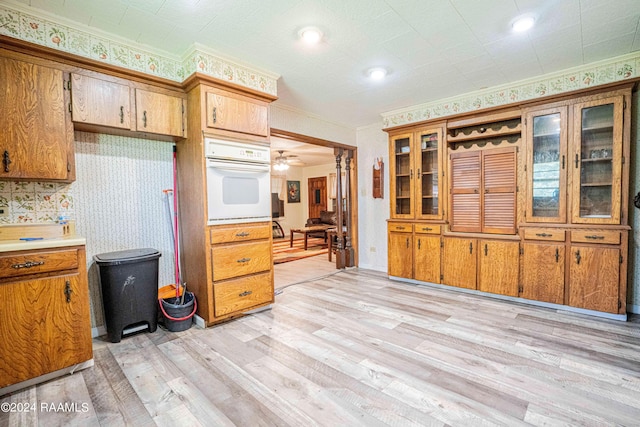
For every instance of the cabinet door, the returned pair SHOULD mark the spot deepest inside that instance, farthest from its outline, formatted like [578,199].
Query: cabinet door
[400,255]
[100,102]
[543,272]
[401,173]
[36,141]
[237,113]
[47,332]
[428,169]
[597,158]
[459,262]
[464,212]
[546,142]
[594,278]
[499,191]
[426,258]
[159,113]
[498,272]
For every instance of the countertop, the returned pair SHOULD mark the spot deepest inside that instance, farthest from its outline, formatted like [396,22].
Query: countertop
[53,242]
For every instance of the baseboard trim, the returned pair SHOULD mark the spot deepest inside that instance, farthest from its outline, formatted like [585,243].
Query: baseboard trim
[621,317]
[46,377]
[372,267]
[633,308]
[98,331]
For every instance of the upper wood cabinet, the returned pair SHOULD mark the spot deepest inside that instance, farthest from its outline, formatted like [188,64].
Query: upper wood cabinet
[596,152]
[546,148]
[159,113]
[100,102]
[36,142]
[416,172]
[483,191]
[236,113]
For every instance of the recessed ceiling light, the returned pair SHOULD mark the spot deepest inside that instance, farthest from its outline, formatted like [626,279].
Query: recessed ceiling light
[311,35]
[523,24]
[377,73]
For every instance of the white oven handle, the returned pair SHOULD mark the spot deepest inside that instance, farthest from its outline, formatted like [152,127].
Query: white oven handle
[237,166]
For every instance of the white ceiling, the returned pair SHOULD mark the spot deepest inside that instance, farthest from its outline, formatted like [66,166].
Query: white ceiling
[301,154]
[432,48]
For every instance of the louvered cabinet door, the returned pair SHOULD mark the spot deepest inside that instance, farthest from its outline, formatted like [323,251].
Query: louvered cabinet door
[465,199]
[499,195]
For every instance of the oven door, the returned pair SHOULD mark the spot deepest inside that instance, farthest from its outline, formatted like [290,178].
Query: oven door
[238,192]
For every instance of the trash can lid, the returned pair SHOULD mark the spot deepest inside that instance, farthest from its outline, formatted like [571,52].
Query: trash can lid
[129,255]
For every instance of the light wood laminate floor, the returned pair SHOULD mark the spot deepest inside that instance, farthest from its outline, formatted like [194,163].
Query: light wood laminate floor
[357,349]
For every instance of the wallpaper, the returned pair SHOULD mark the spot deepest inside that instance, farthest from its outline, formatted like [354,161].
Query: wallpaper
[87,42]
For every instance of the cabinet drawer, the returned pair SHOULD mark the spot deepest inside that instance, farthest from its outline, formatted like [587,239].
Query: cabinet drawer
[551,234]
[239,294]
[240,233]
[240,259]
[38,262]
[401,227]
[610,237]
[427,229]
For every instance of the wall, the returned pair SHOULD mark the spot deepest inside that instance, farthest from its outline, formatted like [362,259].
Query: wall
[372,143]
[633,297]
[292,120]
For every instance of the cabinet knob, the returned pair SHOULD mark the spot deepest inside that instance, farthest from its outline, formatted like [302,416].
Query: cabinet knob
[68,291]
[122,114]
[578,257]
[144,118]
[6,160]
[215,114]
[557,255]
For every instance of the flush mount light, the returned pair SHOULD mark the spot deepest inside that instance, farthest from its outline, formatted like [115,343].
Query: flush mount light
[523,23]
[377,73]
[310,35]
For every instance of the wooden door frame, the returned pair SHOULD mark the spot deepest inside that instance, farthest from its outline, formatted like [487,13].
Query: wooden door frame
[280,133]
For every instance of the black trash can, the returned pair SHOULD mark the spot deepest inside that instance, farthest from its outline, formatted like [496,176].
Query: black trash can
[129,282]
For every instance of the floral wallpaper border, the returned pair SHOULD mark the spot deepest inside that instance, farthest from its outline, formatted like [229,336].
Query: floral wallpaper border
[590,75]
[46,32]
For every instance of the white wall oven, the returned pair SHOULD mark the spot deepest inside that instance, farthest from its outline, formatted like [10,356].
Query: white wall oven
[238,182]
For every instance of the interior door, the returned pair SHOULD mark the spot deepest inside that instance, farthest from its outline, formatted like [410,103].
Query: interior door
[317,196]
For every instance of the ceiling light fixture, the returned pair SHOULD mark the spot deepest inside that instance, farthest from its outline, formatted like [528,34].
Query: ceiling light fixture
[377,73]
[523,23]
[280,163]
[311,35]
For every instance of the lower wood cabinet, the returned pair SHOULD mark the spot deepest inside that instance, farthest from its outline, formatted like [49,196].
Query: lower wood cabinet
[459,262]
[426,253]
[543,271]
[44,320]
[414,251]
[595,278]
[498,267]
[400,249]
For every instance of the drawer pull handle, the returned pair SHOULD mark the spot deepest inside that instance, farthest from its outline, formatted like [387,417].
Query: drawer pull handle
[28,264]
[67,291]
[399,228]
[578,257]
[243,260]
[594,237]
[427,229]
[144,118]
[543,234]
[243,234]
[557,255]
[245,293]
[122,114]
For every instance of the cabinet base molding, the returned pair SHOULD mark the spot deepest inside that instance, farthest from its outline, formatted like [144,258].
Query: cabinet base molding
[201,323]
[620,317]
[46,377]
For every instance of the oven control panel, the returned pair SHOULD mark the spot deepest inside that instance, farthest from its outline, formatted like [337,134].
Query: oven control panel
[238,151]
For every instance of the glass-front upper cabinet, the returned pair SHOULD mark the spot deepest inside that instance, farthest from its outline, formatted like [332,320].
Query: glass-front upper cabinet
[546,139]
[401,173]
[429,171]
[597,161]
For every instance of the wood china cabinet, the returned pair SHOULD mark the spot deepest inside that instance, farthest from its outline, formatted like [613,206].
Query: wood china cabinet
[537,201]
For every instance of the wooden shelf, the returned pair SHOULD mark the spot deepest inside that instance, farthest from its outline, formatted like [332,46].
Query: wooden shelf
[486,134]
[596,184]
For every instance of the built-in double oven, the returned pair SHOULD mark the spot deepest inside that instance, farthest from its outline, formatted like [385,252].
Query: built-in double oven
[238,182]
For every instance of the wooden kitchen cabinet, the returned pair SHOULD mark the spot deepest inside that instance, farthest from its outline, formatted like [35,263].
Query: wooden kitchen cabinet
[595,278]
[543,271]
[459,262]
[101,102]
[426,258]
[36,142]
[160,113]
[400,250]
[45,316]
[498,267]
[233,112]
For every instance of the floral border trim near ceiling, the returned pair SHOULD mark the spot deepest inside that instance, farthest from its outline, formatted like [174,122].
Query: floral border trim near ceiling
[611,70]
[45,32]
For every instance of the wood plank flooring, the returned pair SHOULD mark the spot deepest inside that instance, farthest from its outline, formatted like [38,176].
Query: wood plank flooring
[355,348]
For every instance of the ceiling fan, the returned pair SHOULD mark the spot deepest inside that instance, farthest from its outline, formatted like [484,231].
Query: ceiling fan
[282,162]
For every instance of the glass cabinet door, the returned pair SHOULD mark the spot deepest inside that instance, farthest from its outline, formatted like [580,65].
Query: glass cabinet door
[546,140]
[401,173]
[597,161]
[429,171]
